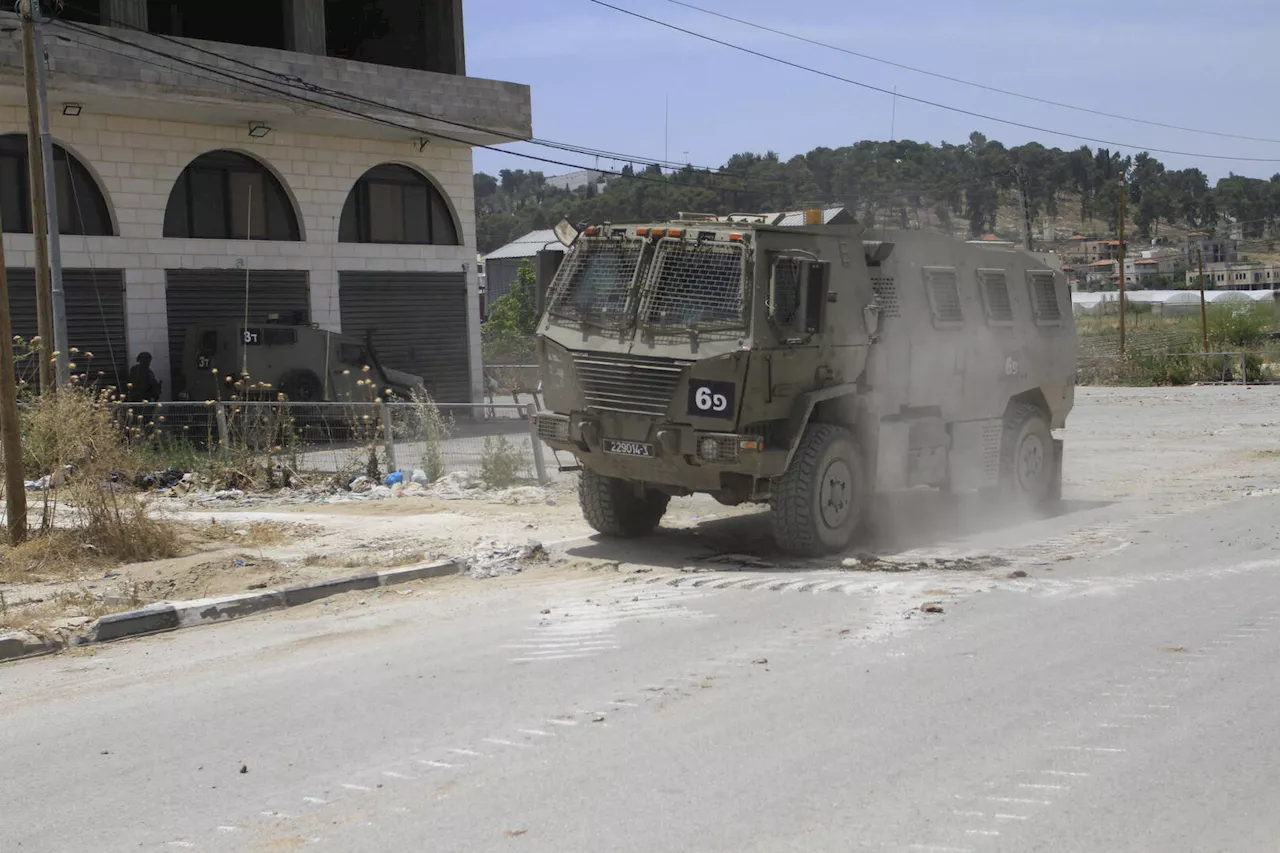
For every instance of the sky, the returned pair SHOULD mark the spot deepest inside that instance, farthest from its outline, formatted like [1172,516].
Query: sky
[609,81]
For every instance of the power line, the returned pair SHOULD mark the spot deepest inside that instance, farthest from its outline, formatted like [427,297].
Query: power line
[750,183]
[926,102]
[294,81]
[963,82]
[287,95]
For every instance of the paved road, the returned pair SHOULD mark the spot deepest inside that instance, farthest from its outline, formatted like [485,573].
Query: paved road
[1124,699]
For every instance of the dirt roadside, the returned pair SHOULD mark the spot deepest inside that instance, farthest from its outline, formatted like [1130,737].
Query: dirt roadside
[1162,449]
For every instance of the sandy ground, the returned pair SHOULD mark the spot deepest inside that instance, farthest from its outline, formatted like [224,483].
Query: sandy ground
[1131,453]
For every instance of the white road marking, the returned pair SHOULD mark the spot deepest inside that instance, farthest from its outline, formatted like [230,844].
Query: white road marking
[1044,787]
[471,752]
[314,800]
[501,742]
[1072,773]
[1011,817]
[1091,748]
[563,722]
[938,849]
[968,813]
[351,787]
[1019,800]
[228,829]
[434,763]
[395,775]
[538,732]
[986,832]
[625,704]
[181,844]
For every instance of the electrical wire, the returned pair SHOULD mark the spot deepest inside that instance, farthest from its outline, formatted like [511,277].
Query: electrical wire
[963,82]
[927,102]
[294,81]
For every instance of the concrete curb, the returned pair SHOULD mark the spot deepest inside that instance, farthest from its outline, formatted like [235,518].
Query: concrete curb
[173,615]
[20,644]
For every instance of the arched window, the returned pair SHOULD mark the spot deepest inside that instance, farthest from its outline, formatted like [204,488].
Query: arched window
[223,195]
[82,209]
[395,204]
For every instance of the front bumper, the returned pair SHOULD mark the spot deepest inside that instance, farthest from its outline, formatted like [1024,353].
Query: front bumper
[681,455]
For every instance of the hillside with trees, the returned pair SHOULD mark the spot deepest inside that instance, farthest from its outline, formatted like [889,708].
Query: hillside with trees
[970,189]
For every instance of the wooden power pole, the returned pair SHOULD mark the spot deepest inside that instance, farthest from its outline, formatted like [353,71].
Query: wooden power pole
[1204,317]
[39,212]
[15,488]
[1122,306]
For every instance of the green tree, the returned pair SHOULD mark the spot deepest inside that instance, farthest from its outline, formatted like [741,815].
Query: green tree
[513,319]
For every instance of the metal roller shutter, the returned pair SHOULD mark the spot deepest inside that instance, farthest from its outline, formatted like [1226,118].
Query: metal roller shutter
[203,296]
[95,320]
[419,322]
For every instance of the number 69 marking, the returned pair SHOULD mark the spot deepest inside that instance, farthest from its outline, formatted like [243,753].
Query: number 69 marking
[709,402]
[1010,367]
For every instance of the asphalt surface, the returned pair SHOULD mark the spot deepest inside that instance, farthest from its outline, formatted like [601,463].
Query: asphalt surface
[1120,697]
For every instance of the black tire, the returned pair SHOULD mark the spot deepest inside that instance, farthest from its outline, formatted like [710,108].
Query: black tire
[819,503]
[302,386]
[1026,456]
[612,507]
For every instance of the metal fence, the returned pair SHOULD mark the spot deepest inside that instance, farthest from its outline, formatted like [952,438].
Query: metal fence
[1178,367]
[498,439]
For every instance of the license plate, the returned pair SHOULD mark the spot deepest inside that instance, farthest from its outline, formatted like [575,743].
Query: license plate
[628,448]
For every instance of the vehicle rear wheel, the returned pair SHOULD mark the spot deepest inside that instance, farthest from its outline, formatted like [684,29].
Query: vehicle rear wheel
[612,507]
[1026,456]
[819,503]
[302,386]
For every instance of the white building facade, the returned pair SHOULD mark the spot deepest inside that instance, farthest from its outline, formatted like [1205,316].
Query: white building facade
[344,196]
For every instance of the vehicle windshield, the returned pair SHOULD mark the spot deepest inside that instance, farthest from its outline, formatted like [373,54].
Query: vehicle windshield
[697,285]
[595,282]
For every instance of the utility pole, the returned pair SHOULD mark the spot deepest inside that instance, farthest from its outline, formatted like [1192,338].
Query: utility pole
[1026,209]
[15,489]
[39,213]
[1122,311]
[60,342]
[1204,319]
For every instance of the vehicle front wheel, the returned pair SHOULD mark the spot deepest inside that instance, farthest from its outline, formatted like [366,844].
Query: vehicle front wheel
[819,503]
[1026,456]
[612,507]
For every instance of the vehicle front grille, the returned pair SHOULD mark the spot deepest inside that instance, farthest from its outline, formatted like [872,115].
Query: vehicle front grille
[622,383]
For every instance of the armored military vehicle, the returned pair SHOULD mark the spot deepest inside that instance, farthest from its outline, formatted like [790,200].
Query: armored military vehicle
[285,356]
[788,359]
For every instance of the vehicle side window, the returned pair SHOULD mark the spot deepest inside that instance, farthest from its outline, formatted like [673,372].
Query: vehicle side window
[275,337]
[208,342]
[351,354]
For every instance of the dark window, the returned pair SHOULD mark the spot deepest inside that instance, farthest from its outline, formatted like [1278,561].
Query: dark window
[351,354]
[248,22]
[395,204]
[279,337]
[208,342]
[81,206]
[228,196]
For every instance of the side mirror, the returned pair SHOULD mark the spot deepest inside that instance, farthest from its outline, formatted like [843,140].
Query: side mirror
[565,232]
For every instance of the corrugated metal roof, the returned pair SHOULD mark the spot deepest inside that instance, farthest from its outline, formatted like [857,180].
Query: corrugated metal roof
[527,246]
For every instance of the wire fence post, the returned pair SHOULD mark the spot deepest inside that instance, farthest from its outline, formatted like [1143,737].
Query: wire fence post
[1244,373]
[539,462]
[388,436]
[224,431]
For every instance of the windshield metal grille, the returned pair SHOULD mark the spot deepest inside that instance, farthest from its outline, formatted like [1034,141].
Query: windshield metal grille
[944,296]
[695,285]
[594,283]
[622,383]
